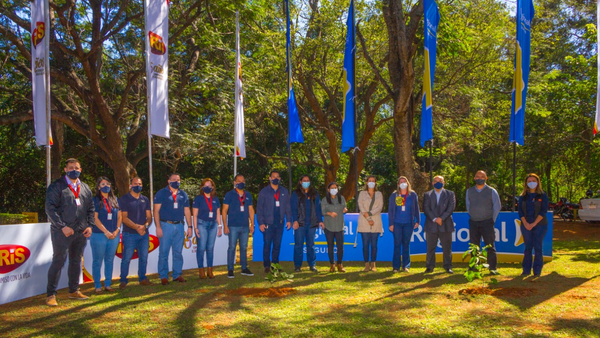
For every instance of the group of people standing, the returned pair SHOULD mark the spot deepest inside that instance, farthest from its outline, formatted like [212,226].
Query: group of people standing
[76,213]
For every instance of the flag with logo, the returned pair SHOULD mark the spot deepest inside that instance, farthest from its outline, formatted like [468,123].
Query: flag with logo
[432,20]
[239,138]
[597,120]
[294,127]
[349,117]
[525,13]
[157,65]
[40,79]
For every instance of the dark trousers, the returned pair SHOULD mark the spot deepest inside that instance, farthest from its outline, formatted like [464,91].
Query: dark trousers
[338,236]
[485,229]
[533,239]
[272,237]
[64,247]
[445,239]
[369,239]
[402,237]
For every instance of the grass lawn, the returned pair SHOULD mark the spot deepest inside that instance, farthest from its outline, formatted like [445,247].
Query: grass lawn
[564,302]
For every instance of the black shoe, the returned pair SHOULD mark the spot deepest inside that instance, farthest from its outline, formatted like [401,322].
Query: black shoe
[314,269]
[536,276]
[449,271]
[297,270]
[428,270]
[247,272]
[525,274]
[494,272]
[230,274]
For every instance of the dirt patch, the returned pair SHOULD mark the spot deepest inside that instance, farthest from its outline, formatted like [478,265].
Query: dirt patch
[261,292]
[499,292]
[208,326]
[564,231]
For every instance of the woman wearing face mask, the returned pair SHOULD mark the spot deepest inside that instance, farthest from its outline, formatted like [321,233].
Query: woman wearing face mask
[105,233]
[334,207]
[533,206]
[404,217]
[370,226]
[207,226]
[306,215]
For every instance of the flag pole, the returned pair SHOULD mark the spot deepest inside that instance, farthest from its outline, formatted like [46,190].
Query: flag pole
[148,110]
[237,75]
[430,161]
[355,112]
[514,170]
[47,93]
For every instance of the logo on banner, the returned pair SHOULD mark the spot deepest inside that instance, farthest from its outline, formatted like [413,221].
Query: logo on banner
[154,243]
[12,257]
[38,34]
[157,45]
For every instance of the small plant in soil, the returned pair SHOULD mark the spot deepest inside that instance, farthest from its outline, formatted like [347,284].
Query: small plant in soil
[477,263]
[277,274]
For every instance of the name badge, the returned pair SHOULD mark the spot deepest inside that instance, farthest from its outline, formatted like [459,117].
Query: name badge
[242,208]
[276,203]
[403,208]
[175,205]
[78,201]
[210,215]
[109,217]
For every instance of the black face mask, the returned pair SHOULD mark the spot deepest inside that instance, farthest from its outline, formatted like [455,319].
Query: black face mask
[174,185]
[240,186]
[275,181]
[136,189]
[207,190]
[105,189]
[480,181]
[73,174]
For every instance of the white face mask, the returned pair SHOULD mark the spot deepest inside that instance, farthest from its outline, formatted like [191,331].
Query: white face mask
[403,186]
[333,192]
[371,185]
[532,185]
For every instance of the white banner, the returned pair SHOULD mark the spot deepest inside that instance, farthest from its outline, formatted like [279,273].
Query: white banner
[157,72]
[39,80]
[240,138]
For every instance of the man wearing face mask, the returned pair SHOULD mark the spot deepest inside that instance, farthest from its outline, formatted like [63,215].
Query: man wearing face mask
[483,206]
[70,210]
[137,217]
[171,206]
[272,210]
[238,223]
[438,205]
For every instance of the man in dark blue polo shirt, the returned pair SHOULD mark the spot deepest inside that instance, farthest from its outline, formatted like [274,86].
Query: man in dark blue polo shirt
[238,223]
[171,206]
[273,208]
[137,217]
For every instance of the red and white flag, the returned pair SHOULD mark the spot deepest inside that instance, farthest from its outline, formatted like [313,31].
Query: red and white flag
[40,76]
[157,65]
[239,138]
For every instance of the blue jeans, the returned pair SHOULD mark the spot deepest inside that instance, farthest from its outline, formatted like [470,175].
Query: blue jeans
[533,239]
[206,242]
[272,237]
[304,233]
[238,233]
[369,239]
[131,243]
[402,236]
[103,250]
[172,238]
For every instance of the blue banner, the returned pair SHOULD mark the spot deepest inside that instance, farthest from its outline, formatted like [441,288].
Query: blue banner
[294,127]
[349,119]
[509,241]
[525,13]
[432,20]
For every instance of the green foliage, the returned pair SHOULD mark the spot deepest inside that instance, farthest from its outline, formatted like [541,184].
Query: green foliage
[477,263]
[12,219]
[277,274]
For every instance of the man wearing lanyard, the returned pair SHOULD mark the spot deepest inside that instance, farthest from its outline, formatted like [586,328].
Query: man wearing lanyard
[70,210]
[273,208]
[171,206]
[137,217]
[238,223]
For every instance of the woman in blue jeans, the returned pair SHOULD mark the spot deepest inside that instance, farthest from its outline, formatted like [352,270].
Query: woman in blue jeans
[403,214]
[207,225]
[533,206]
[307,216]
[105,233]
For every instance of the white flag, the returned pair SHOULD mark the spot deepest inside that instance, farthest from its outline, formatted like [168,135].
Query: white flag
[597,120]
[40,81]
[239,140]
[157,63]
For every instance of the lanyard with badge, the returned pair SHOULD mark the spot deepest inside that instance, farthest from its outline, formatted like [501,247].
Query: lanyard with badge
[401,201]
[76,193]
[276,198]
[210,207]
[107,205]
[242,199]
[175,204]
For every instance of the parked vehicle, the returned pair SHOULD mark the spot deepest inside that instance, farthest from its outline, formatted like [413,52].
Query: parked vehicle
[564,209]
[590,210]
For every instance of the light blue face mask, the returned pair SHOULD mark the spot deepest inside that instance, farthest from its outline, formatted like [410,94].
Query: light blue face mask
[532,185]
[305,185]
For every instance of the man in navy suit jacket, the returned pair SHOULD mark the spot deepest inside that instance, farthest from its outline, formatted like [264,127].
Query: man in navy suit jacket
[438,205]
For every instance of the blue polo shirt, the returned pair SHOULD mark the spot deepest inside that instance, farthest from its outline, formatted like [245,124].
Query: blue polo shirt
[235,217]
[203,209]
[136,210]
[406,216]
[164,197]
[100,208]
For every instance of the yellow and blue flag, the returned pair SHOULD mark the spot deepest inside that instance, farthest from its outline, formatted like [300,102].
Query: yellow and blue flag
[349,119]
[525,13]
[294,127]
[432,20]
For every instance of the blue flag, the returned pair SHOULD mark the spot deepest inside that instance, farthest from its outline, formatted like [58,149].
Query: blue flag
[349,119]
[294,127]
[525,13]
[432,20]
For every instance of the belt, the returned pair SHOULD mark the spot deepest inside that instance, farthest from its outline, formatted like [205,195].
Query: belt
[171,222]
